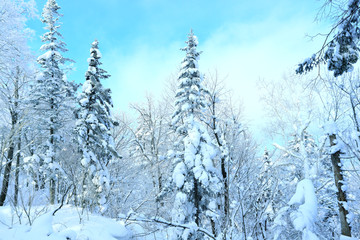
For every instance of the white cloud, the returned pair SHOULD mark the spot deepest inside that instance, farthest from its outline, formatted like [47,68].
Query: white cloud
[144,71]
[266,50]
[242,52]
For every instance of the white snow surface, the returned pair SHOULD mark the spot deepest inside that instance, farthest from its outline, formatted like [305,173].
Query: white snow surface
[330,128]
[342,237]
[304,218]
[87,87]
[304,195]
[50,54]
[179,174]
[64,225]
[92,69]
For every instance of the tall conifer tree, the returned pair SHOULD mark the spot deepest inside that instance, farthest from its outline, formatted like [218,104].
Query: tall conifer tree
[94,132]
[52,94]
[197,182]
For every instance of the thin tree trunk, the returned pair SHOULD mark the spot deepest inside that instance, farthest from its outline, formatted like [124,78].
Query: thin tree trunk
[52,191]
[243,221]
[17,172]
[159,178]
[17,168]
[6,178]
[226,209]
[226,196]
[10,158]
[341,196]
[160,185]
[52,180]
[76,203]
[213,227]
[52,148]
[196,202]
[10,155]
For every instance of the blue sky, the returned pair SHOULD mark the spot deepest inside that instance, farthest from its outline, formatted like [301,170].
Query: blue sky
[140,41]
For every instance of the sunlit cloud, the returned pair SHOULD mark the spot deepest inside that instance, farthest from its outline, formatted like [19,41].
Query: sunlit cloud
[243,53]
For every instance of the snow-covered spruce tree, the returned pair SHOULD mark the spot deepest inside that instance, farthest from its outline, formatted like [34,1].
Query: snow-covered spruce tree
[93,128]
[197,182]
[52,96]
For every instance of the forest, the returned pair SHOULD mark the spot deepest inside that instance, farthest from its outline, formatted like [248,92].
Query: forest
[183,165]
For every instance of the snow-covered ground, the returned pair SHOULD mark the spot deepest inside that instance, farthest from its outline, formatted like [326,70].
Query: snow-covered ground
[65,225]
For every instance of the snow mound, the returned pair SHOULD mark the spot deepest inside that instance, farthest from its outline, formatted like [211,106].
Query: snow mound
[342,237]
[65,225]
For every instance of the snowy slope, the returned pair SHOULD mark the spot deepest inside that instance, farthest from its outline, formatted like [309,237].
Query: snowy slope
[64,225]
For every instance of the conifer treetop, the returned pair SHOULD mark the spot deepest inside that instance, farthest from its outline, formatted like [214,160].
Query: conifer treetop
[94,63]
[190,96]
[51,38]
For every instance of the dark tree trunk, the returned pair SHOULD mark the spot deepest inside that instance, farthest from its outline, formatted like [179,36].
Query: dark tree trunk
[160,187]
[341,196]
[10,153]
[52,180]
[213,228]
[6,178]
[196,202]
[9,160]
[17,172]
[52,142]
[226,208]
[226,189]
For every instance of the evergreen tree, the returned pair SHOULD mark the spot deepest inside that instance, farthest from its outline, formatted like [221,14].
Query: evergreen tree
[52,95]
[340,49]
[93,127]
[197,181]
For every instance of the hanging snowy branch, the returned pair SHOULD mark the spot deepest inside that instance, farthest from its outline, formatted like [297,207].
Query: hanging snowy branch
[342,51]
[286,151]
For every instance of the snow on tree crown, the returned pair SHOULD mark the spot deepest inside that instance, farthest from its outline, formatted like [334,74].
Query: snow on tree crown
[50,11]
[190,96]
